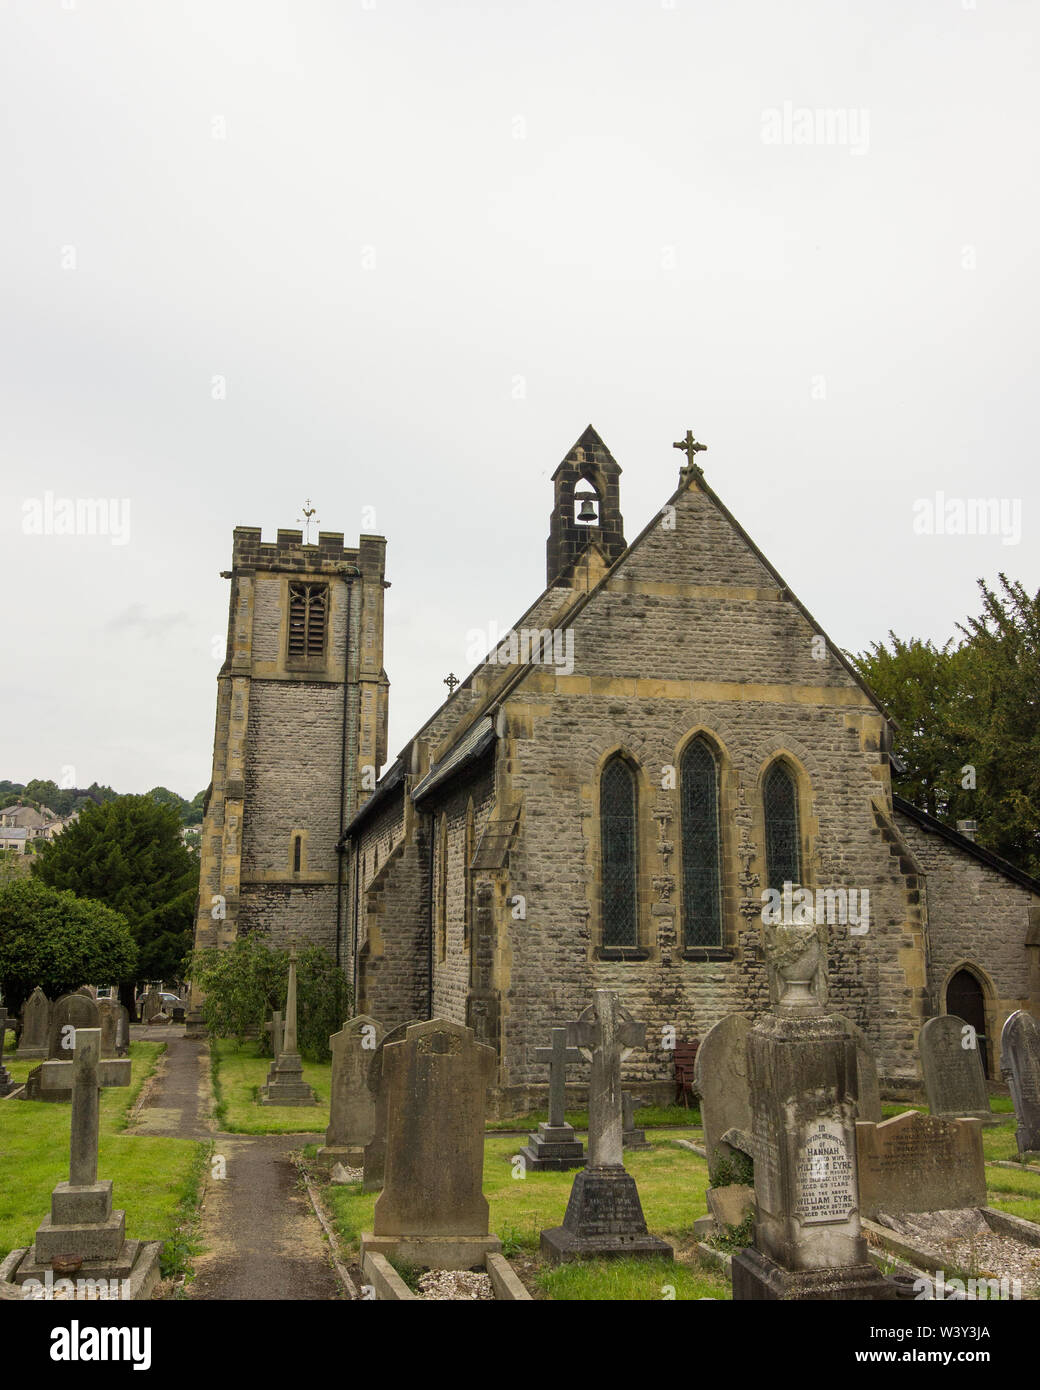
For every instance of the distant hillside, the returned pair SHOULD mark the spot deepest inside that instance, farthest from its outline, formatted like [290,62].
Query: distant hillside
[64,800]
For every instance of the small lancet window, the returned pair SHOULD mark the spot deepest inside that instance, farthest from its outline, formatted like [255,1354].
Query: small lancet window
[297,853]
[617,813]
[783,844]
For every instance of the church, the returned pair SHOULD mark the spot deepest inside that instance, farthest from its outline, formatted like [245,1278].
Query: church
[665,741]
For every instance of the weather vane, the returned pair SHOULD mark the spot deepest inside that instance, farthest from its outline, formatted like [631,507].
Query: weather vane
[308,512]
[451,680]
[690,448]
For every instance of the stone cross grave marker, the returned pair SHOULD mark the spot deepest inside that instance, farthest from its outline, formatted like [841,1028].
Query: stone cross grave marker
[6,1084]
[108,1017]
[432,1210]
[36,1025]
[604,1214]
[352,1108]
[554,1146]
[1020,1064]
[632,1138]
[81,1220]
[285,1084]
[952,1067]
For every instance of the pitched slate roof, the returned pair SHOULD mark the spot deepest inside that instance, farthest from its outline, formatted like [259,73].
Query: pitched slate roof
[932,826]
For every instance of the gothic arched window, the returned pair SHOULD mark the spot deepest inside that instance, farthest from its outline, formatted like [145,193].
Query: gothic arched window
[617,814]
[783,845]
[701,879]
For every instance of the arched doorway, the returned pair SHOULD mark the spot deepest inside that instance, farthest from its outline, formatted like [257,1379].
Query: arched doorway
[964,997]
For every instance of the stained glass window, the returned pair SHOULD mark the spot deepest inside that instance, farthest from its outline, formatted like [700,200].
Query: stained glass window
[699,810]
[783,848]
[617,812]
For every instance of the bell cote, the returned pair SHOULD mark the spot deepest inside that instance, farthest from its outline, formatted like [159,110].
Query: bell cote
[586,510]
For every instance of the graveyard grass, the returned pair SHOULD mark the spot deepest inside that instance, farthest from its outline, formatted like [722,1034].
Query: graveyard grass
[238,1071]
[153,1178]
[672,1184]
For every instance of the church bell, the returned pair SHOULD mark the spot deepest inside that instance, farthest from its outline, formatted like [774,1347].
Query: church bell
[588,510]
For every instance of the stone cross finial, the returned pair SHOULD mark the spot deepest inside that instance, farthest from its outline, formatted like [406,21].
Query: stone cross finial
[690,448]
[557,1056]
[451,680]
[606,1032]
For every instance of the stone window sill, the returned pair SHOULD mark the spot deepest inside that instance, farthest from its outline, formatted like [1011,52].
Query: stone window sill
[708,953]
[622,953]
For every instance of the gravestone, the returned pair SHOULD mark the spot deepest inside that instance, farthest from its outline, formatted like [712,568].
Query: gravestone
[952,1068]
[81,1222]
[123,1031]
[631,1138]
[604,1215]
[432,1210]
[721,1079]
[151,1005]
[374,1165]
[868,1103]
[1020,1065]
[108,1015]
[916,1162]
[285,1084]
[352,1109]
[70,1012]
[7,1085]
[808,1242]
[555,1147]
[36,1025]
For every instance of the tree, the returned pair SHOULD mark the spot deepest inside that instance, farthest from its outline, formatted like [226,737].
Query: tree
[128,854]
[243,982]
[196,808]
[58,941]
[49,794]
[969,716]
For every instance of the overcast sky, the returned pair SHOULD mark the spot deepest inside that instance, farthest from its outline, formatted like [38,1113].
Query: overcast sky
[424,245]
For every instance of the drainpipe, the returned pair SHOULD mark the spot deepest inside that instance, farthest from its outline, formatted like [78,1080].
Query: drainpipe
[347,573]
[430,922]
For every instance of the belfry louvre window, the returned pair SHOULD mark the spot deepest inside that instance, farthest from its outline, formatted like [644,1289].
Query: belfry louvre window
[308,613]
[783,849]
[617,814]
[699,809]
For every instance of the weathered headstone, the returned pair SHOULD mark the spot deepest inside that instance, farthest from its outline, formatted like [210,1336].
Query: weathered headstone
[375,1150]
[808,1242]
[916,1162]
[1020,1065]
[151,1005]
[285,1084]
[36,1025]
[432,1210]
[604,1215]
[721,1079]
[352,1109]
[554,1146]
[631,1138]
[868,1102]
[7,1085]
[70,1012]
[953,1078]
[81,1222]
[108,1016]
[730,1205]
[123,1032]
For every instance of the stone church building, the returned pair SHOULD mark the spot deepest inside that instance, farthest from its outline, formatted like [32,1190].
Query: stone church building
[601,803]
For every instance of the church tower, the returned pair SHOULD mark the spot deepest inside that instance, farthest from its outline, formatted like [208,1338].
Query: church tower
[586,514]
[302,702]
